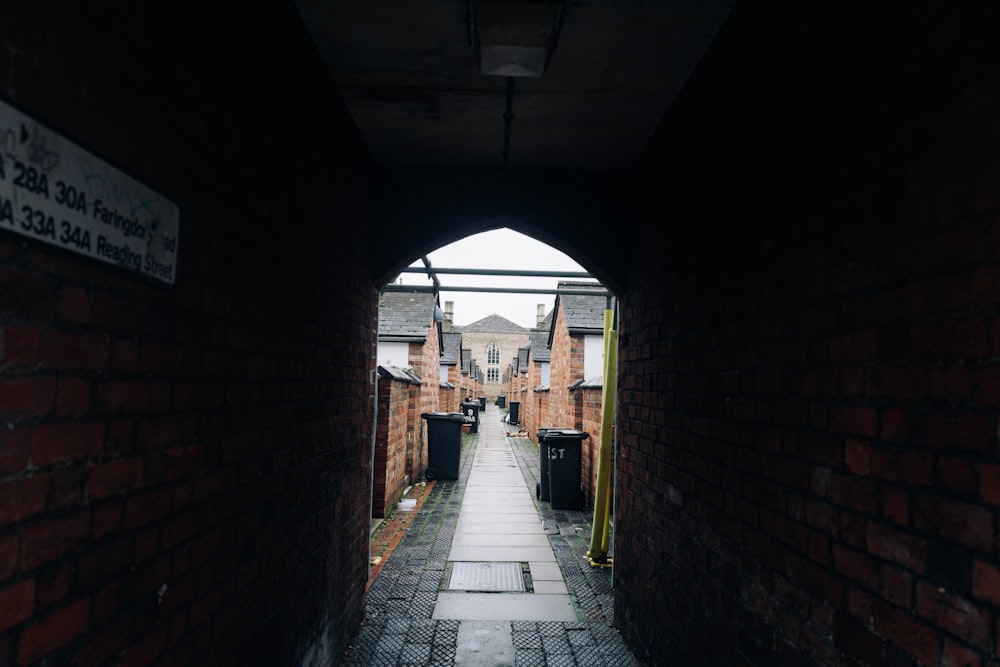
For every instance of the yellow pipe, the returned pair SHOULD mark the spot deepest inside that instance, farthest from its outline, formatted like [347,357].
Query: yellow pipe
[600,532]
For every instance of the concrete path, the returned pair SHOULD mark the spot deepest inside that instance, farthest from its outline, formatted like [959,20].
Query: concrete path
[499,525]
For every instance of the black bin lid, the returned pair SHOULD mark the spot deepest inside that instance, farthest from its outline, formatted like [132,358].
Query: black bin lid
[566,433]
[445,416]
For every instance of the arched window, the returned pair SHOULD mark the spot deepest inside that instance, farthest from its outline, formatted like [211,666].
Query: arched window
[493,354]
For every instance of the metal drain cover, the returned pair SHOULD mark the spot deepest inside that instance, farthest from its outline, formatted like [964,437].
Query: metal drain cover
[486,577]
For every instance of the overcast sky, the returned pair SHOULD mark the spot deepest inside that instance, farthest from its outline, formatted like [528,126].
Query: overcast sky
[496,249]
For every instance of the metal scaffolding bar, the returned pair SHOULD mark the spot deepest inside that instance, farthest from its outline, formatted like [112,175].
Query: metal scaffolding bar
[494,290]
[501,272]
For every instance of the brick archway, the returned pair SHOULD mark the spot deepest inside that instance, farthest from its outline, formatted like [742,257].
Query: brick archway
[576,213]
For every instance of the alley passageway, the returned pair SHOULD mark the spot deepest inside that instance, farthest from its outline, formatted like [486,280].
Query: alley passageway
[796,206]
[489,575]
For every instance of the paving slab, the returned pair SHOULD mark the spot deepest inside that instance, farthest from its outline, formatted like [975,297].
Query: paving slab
[493,517]
[494,540]
[550,587]
[545,571]
[501,553]
[498,496]
[529,527]
[504,607]
[495,506]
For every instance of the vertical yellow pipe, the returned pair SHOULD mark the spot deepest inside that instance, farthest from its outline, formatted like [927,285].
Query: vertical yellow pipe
[598,552]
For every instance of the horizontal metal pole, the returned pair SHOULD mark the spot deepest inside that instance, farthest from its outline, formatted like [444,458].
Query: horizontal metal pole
[501,272]
[493,290]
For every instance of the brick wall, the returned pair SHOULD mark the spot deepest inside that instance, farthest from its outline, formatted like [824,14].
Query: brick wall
[425,359]
[415,430]
[589,401]
[529,399]
[390,477]
[184,471]
[809,347]
[455,374]
[541,412]
[448,399]
[566,367]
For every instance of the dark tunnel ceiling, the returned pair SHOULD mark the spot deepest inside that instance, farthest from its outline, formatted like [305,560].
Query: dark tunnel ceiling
[411,79]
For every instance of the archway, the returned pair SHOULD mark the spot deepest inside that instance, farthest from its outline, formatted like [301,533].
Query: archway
[567,336]
[578,213]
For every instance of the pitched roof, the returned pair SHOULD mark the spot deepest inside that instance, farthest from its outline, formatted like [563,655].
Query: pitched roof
[405,316]
[493,324]
[451,350]
[538,343]
[466,360]
[522,360]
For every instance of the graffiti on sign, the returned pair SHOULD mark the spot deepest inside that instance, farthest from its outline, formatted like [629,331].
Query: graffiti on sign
[54,191]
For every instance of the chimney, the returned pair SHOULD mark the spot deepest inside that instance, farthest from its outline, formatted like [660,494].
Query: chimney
[539,314]
[449,310]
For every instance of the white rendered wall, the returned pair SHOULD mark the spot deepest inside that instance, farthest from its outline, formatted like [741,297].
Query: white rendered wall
[393,354]
[593,356]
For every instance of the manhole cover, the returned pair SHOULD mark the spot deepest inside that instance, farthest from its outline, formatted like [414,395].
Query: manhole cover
[486,577]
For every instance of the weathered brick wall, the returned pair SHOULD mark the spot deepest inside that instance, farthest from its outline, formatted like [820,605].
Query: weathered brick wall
[455,375]
[184,472]
[448,399]
[390,478]
[566,367]
[529,404]
[541,412]
[415,431]
[522,396]
[589,400]
[809,346]
[425,360]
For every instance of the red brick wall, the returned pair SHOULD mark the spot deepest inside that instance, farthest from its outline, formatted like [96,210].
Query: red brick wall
[425,359]
[589,401]
[537,402]
[184,472]
[565,368]
[541,412]
[448,399]
[532,378]
[390,444]
[809,346]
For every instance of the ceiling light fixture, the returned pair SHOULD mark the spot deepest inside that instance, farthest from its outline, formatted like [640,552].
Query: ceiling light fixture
[515,37]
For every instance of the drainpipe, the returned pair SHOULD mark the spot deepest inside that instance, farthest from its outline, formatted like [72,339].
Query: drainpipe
[371,454]
[598,552]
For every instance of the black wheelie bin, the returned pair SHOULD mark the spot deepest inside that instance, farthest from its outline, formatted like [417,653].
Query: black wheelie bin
[564,447]
[444,444]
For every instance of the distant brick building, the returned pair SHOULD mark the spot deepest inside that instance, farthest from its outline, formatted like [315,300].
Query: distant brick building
[492,342]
